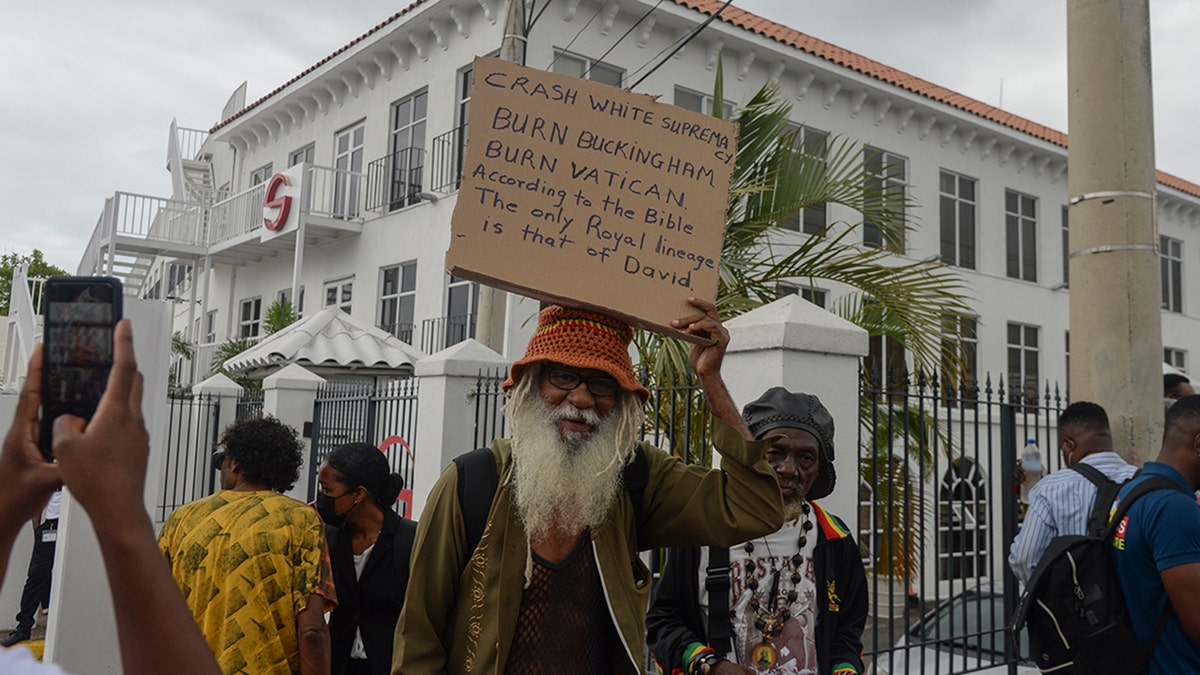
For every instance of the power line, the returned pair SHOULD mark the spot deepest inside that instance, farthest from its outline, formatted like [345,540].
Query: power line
[589,22]
[623,36]
[681,45]
[539,15]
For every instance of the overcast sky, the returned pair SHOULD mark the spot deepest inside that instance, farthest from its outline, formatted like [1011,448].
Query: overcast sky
[88,89]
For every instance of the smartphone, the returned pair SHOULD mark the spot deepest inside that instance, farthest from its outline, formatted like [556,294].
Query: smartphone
[79,317]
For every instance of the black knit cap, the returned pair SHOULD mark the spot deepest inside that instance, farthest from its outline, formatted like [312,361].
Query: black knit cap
[779,407]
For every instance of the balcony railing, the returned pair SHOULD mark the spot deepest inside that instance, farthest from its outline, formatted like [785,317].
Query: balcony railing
[337,193]
[446,331]
[402,331]
[146,217]
[394,181]
[449,150]
[190,141]
[238,215]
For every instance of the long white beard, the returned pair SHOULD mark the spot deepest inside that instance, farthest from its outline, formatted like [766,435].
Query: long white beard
[567,485]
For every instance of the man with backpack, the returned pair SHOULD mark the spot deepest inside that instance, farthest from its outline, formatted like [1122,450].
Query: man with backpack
[1156,548]
[1063,502]
[528,562]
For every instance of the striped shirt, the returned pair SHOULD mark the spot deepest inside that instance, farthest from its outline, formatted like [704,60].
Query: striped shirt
[1058,505]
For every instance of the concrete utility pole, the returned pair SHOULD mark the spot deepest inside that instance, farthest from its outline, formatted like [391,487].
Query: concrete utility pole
[489,312]
[1116,320]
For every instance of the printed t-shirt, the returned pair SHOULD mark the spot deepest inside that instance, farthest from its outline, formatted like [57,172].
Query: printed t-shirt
[795,647]
[247,563]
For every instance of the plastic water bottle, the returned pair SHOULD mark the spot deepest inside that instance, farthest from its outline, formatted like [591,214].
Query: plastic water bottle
[1031,463]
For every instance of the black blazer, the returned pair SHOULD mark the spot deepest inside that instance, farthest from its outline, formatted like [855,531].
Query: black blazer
[373,601]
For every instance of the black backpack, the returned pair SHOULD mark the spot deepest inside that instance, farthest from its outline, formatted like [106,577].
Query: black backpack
[1074,607]
[477,484]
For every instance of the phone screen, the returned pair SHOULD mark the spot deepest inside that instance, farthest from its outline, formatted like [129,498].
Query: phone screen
[77,352]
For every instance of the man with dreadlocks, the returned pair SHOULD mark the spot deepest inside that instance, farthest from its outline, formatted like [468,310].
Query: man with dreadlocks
[554,584]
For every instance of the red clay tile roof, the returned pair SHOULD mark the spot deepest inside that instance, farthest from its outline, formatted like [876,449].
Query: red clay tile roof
[735,16]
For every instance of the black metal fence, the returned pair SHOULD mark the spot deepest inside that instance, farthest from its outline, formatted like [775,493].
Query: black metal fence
[193,423]
[249,404]
[446,169]
[446,331]
[937,515]
[384,415]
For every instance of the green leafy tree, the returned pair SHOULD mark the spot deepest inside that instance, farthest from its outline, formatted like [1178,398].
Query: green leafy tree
[38,268]
[280,315]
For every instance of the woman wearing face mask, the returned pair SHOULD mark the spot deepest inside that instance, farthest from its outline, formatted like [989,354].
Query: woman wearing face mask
[370,546]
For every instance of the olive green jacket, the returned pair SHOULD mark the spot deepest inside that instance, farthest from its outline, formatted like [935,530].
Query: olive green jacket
[460,617]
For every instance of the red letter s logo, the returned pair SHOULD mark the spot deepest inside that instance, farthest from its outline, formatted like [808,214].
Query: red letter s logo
[284,204]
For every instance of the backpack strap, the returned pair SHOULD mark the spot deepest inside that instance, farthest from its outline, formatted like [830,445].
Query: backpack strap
[477,483]
[1106,492]
[716,584]
[634,477]
[1151,484]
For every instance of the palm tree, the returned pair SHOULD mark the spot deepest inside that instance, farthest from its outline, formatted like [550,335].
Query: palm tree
[909,303]
[772,180]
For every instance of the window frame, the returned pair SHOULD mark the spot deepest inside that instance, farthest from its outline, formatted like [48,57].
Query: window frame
[1021,246]
[1023,351]
[1170,257]
[872,233]
[955,231]
[398,298]
[250,327]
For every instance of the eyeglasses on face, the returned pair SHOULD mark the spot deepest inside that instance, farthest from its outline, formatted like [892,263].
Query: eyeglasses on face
[568,380]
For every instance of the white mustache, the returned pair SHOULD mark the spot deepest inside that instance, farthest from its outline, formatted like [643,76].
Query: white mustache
[567,411]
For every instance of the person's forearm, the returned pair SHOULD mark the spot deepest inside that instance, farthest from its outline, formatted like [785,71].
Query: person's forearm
[313,637]
[722,404]
[155,628]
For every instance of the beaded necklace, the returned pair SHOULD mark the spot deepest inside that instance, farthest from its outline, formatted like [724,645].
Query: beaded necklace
[769,617]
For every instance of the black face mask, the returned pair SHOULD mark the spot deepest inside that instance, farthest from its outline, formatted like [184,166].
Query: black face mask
[328,512]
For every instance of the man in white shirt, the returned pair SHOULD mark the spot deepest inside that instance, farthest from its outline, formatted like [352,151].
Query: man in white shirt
[1061,502]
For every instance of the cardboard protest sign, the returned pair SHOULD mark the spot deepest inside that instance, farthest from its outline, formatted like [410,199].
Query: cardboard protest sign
[590,195]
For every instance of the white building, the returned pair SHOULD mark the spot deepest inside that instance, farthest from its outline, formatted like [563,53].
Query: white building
[380,123]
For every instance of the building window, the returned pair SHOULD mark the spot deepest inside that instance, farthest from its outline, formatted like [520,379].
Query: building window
[1066,245]
[958,208]
[339,294]
[1023,371]
[1171,256]
[397,299]
[178,277]
[885,176]
[250,318]
[960,350]
[461,300]
[1176,358]
[588,69]
[285,297]
[813,146]
[407,160]
[1020,218]
[817,296]
[348,162]
[962,521]
[260,175]
[1067,351]
[305,155]
[210,327]
[701,103]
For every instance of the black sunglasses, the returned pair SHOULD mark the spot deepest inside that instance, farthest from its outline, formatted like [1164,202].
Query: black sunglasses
[218,458]
[567,380]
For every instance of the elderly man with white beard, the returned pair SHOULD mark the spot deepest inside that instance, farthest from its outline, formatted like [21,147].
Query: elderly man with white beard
[554,583]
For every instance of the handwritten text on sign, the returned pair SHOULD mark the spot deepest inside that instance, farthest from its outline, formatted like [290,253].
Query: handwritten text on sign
[589,194]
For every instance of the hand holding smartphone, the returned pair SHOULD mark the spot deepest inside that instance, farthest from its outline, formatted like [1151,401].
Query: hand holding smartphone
[80,314]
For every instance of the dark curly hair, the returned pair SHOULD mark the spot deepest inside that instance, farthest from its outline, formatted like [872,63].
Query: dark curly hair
[267,451]
[362,464]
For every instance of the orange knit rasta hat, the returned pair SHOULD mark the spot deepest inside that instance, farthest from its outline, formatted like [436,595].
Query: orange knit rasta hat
[581,339]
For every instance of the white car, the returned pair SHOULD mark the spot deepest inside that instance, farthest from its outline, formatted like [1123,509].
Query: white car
[965,634]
